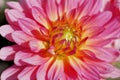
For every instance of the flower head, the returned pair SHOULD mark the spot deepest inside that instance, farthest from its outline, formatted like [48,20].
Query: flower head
[59,40]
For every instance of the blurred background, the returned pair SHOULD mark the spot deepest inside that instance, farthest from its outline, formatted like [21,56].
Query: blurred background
[5,42]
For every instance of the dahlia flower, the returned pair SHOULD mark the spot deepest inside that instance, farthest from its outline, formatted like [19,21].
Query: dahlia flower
[59,40]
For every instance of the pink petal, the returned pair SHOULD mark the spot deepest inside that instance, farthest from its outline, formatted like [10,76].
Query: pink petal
[98,41]
[60,8]
[11,73]
[88,8]
[91,72]
[114,74]
[20,40]
[85,8]
[36,3]
[51,10]
[30,27]
[104,3]
[7,53]
[86,71]
[40,16]
[118,58]
[30,4]
[27,5]
[6,31]
[56,69]
[93,31]
[98,20]
[28,73]
[36,45]
[19,56]
[71,4]
[65,6]
[105,54]
[27,25]
[15,5]
[111,31]
[63,77]
[42,71]
[96,7]
[71,16]
[12,16]
[102,67]
[35,60]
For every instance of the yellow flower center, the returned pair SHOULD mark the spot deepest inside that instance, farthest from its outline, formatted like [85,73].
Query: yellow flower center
[68,34]
[65,39]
